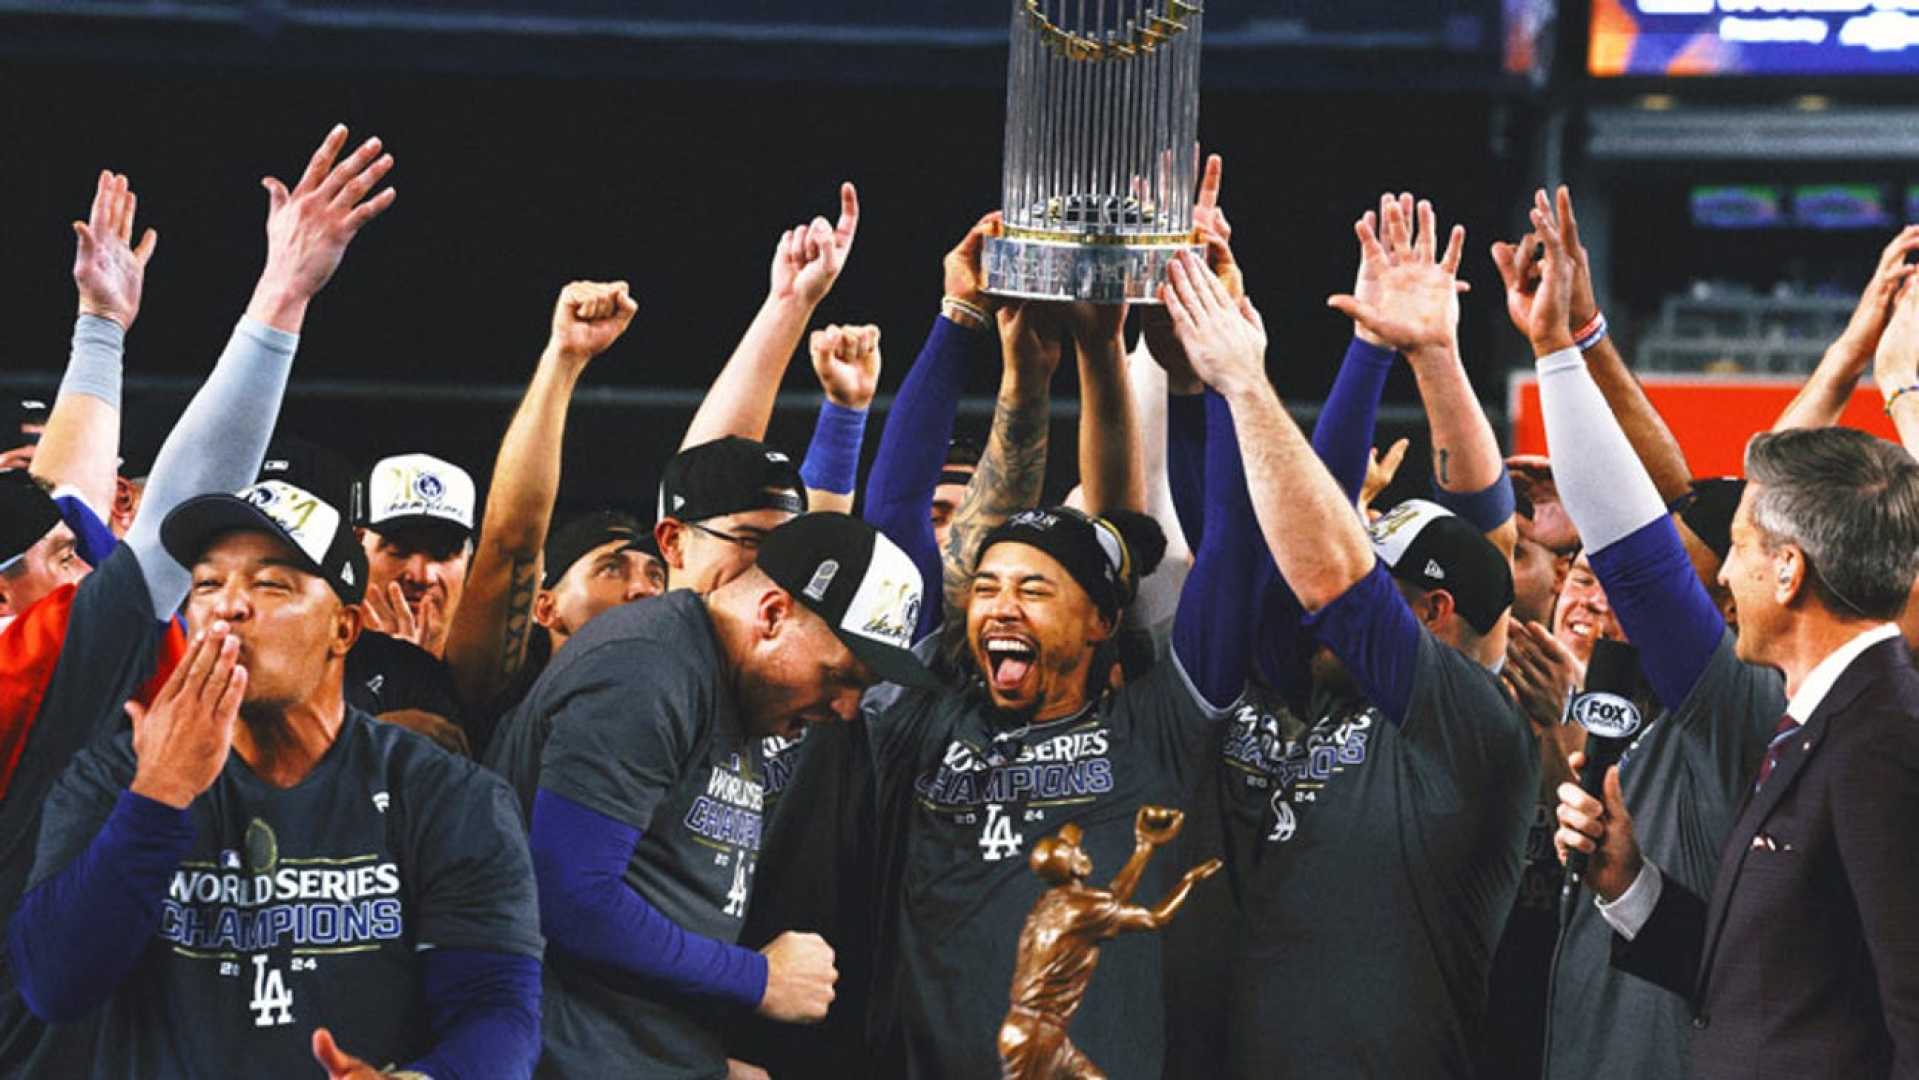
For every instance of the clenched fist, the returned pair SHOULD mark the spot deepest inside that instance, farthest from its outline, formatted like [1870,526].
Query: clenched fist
[589,317]
[847,361]
[799,978]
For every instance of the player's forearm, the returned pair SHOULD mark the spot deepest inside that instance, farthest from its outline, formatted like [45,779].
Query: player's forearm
[1310,527]
[1111,468]
[1905,420]
[216,446]
[1466,454]
[1831,384]
[832,465]
[484,1008]
[1213,629]
[77,934]
[1651,440]
[1343,434]
[526,471]
[740,401]
[1147,382]
[912,451]
[80,448]
[1186,463]
[588,911]
[1011,476]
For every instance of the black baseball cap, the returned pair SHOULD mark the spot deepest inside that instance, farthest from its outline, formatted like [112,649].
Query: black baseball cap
[859,582]
[729,476]
[1427,545]
[570,542]
[309,465]
[1709,511]
[315,529]
[16,412]
[27,514]
[1093,550]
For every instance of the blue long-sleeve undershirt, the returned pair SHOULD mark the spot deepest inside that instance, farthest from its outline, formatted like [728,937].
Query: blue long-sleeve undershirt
[1186,463]
[1373,632]
[1665,611]
[1343,434]
[484,1010]
[588,910]
[77,934]
[1217,627]
[912,450]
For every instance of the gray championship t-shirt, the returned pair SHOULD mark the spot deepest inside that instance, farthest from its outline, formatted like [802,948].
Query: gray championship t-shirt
[645,729]
[1684,778]
[1374,867]
[305,907]
[982,793]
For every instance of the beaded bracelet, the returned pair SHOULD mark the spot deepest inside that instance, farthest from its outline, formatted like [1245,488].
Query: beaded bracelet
[1592,333]
[1894,396]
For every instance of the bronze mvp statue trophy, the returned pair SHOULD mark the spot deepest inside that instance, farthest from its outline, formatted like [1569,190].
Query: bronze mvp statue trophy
[1102,123]
[1059,945]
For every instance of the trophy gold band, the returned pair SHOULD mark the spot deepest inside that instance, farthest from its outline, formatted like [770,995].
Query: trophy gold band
[1102,125]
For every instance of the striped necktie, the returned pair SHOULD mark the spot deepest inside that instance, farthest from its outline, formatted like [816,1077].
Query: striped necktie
[1780,735]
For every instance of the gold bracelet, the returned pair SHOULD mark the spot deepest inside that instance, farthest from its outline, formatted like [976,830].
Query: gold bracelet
[1894,396]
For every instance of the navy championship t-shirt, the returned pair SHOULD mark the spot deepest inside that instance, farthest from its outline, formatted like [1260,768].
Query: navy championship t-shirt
[643,727]
[982,793]
[307,906]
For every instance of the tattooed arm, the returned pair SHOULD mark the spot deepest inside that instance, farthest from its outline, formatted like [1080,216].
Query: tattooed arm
[1012,471]
[486,644]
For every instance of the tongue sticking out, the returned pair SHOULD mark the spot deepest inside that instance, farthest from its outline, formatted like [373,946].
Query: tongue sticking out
[1011,672]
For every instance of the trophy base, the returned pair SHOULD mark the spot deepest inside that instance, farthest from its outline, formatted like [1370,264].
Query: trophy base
[1104,273]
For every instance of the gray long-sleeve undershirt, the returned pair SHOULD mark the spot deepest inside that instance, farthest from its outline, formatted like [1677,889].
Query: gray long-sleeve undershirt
[216,446]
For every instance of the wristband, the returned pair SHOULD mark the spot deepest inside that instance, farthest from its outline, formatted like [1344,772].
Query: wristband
[1592,333]
[965,312]
[833,460]
[1894,396]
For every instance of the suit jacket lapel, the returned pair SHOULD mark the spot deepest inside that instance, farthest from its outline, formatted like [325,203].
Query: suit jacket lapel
[1756,808]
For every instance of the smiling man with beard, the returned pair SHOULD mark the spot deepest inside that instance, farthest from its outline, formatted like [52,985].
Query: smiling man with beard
[259,864]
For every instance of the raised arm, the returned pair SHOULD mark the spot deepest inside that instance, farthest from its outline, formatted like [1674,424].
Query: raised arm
[1343,433]
[1819,402]
[1417,313]
[81,445]
[1012,471]
[1895,368]
[919,426]
[1148,384]
[1645,430]
[1112,470]
[219,440]
[486,643]
[1611,497]
[847,362]
[806,262]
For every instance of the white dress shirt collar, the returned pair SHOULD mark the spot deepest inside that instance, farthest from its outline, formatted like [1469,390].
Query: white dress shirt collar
[1820,679]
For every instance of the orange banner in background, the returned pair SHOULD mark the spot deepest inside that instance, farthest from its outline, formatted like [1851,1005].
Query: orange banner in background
[1712,416]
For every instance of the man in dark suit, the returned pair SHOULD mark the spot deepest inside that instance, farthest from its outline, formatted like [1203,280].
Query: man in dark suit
[1804,961]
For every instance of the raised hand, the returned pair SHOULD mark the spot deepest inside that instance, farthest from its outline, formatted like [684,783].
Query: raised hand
[799,978]
[964,277]
[1029,334]
[1541,672]
[808,259]
[1547,319]
[1157,825]
[1214,230]
[1895,362]
[1093,325]
[1585,304]
[1875,310]
[108,271]
[182,742]
[1369,286]
[339,1064]
[310,226]
[1407,294]
[1380,471]
[1518,267]
[589,317]
[1224,340]
[847,361]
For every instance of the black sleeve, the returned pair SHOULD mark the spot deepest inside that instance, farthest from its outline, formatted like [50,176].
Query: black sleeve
[624,724]
[80,802]
[1666,951]
[470,858]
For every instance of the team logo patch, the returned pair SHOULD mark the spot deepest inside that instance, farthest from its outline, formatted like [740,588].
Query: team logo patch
[822,580]
[429,487]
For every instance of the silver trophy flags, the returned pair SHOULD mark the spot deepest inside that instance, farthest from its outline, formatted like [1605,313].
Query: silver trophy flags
[1102,126]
